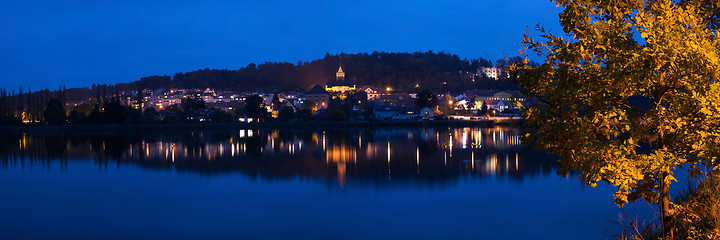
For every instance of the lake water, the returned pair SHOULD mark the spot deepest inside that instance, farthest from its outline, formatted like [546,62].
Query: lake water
[387,183]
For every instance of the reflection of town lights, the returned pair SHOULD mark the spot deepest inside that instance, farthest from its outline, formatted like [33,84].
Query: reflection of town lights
[491,164]
[472,160]
[417,156]
[464,140]
[341,156]
[507,164]
[451,145]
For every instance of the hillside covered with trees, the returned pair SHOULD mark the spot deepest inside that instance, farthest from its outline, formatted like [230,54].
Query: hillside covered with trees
[399,71]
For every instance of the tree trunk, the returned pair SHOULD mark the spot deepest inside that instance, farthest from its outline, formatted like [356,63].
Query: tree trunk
[667,215]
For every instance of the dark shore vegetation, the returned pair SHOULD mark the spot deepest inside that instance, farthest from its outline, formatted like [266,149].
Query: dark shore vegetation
[697,218]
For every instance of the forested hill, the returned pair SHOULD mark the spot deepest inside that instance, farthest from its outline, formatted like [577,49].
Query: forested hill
[400,71]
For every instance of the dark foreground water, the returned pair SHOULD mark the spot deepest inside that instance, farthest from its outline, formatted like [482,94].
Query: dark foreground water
[451,183]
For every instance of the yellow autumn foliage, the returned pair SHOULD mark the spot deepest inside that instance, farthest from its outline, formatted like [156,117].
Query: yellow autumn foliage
[630,96]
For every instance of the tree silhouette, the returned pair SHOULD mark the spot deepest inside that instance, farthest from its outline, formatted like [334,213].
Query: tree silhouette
[54,113]
[426,99]
[114,111]
[276,103]
[285,114]
[254,107]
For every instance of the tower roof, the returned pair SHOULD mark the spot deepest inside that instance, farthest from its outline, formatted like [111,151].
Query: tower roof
[340,75]
[317,89]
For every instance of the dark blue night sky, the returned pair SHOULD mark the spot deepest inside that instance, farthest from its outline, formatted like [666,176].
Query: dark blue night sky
[78,43]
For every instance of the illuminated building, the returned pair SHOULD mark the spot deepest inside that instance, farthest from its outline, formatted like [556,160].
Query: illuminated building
[318,95]
[490,72]
[340,85]
[373,93]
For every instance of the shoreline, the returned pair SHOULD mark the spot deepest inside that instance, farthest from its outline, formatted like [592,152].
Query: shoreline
[161,127]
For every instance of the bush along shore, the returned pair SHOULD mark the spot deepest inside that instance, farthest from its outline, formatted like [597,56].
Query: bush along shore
[697,215]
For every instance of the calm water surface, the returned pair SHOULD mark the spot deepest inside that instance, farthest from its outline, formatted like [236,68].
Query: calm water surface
[450,183]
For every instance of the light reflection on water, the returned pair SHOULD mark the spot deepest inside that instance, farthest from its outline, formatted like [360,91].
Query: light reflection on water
[428,183]
[405,155]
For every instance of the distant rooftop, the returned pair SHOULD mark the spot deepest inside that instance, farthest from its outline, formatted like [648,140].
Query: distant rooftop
[317,89]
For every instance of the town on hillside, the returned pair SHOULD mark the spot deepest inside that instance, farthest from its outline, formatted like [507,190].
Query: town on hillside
[336,99]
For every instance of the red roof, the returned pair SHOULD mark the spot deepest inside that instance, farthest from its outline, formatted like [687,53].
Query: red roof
[492,102]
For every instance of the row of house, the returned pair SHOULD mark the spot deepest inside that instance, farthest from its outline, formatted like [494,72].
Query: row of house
[493,99]
[394,104]
[397,102]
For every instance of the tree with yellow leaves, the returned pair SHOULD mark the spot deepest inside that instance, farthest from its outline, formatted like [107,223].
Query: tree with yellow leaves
[629,95]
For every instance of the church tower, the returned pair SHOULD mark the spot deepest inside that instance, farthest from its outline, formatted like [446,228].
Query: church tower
[340,75]
[340,85]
